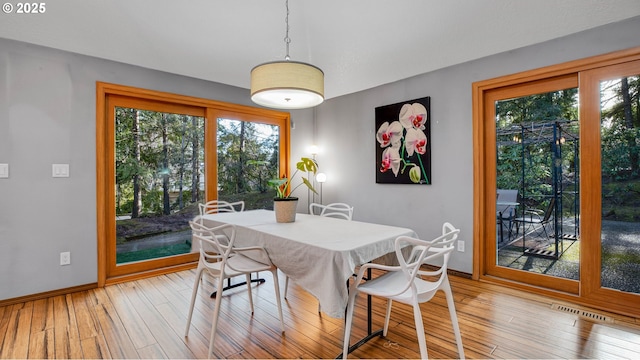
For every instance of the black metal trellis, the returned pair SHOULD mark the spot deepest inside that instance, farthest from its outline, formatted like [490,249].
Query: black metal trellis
[558,135]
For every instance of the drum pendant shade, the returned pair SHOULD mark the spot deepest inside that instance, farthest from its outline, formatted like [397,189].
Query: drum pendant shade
[287,85]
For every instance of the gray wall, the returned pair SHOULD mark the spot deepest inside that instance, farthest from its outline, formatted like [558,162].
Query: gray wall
[346,133]
[47,116]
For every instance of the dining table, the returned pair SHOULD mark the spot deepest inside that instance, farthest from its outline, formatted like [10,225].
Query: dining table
[318,253]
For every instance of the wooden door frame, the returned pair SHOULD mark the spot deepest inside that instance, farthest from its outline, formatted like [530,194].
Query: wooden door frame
[485,177]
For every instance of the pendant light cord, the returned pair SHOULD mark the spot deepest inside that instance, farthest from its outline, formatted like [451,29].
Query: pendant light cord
[287,40]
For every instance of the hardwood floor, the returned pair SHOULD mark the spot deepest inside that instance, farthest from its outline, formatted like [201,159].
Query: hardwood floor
[146,319]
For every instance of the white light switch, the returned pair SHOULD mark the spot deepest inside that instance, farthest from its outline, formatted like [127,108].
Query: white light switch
[60,170]
[4,170]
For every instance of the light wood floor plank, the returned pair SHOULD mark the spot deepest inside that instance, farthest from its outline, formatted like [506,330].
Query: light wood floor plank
[85,318]
[42,315]
[10,324]
[95,348]
[67,339]
[41,344]
[135,326]
[4,313]
[20,343]
[118,340]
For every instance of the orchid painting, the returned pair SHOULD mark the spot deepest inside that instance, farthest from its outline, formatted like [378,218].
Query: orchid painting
[403,146]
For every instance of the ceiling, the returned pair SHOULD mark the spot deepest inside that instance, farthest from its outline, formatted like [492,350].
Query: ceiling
[359,44]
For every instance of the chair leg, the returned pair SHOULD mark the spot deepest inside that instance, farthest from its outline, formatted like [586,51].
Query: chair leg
[387,317]
[422,341]
[196,283]
[353,292]
[276,285]
[216,313]
[248,280]
[454,317]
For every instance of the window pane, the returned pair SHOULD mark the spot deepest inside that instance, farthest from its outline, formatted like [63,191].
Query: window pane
[620,147]
[159,160]
[248,157]
[537,138]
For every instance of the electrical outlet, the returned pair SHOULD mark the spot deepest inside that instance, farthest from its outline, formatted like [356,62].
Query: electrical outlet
[4,170]
[461,245]
[65,258]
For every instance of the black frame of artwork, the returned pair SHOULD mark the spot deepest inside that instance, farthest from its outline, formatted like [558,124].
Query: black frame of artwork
[403,142]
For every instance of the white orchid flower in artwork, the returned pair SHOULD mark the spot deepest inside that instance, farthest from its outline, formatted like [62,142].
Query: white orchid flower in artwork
[413,116]
[390,160]
[389,134]
[415,141]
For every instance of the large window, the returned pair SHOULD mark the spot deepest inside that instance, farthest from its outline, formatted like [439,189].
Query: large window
[159,155]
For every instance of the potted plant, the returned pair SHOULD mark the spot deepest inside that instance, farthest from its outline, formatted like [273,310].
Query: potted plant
[284,204]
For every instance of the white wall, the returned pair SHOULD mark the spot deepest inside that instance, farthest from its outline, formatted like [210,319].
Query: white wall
[346,132]
[47,115]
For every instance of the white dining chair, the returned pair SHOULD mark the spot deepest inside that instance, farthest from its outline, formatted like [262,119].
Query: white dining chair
[221,206]
[222,260]
[336,210]
[404,283]
[217,206]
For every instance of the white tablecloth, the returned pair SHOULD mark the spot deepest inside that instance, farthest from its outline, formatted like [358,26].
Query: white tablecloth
[318,253]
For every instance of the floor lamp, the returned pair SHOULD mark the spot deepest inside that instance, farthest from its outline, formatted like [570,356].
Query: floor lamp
[321,178]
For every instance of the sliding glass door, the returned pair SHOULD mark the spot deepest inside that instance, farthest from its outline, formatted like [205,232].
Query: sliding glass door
[558,191]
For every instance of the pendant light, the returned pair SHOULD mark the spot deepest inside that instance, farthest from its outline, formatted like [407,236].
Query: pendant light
[287,84]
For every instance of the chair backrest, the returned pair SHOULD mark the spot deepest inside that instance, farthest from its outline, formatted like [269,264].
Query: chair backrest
[197,234]
[218,206]
[338,210]
[504,202]
[422,252]
[215,244]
